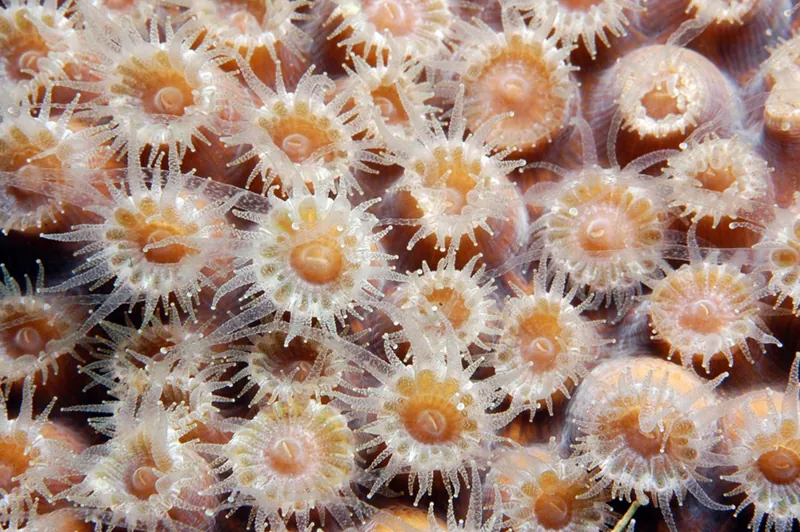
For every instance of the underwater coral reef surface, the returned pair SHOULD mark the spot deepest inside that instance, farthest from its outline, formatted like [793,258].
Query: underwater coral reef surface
[399,265]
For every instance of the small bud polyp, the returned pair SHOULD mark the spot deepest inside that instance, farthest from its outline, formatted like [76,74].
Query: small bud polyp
[705,310]
[450,294]
[299,136]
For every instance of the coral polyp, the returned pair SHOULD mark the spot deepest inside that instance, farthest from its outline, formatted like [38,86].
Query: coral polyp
[428,418]
[366,27]
[293,459]
[264,32]
[706,309]
[35,37]
[280,370]
[587,21]
[519,70]
[660,105]
[32,451]
[540,491]
[765,451]
[457,188]
[39,162]
[452,294]
[159,233]
[162,93]
[545,341]
[646,427]
[313,256]
[719,179]
[607,229]
[303,129]
[35,329]
[781,240]
[143,477]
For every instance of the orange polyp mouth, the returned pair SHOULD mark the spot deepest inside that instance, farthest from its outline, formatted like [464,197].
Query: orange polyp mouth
[299,138]
[717,180]
[538,335]
[428,413]
[645,444]
[451,304]
[659,104]
[29,337]
[161,89]
[287,457]
[398,17]
[142,482]
[136,228]
[318,262]
[454,176]
[780,466]
[553,510]
[603,230]
[785,258]
[388,100]
[702,316]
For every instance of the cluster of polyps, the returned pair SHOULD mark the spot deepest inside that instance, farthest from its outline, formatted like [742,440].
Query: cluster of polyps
[646,426]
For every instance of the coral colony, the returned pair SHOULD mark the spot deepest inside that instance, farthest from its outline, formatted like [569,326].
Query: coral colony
[399,265]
